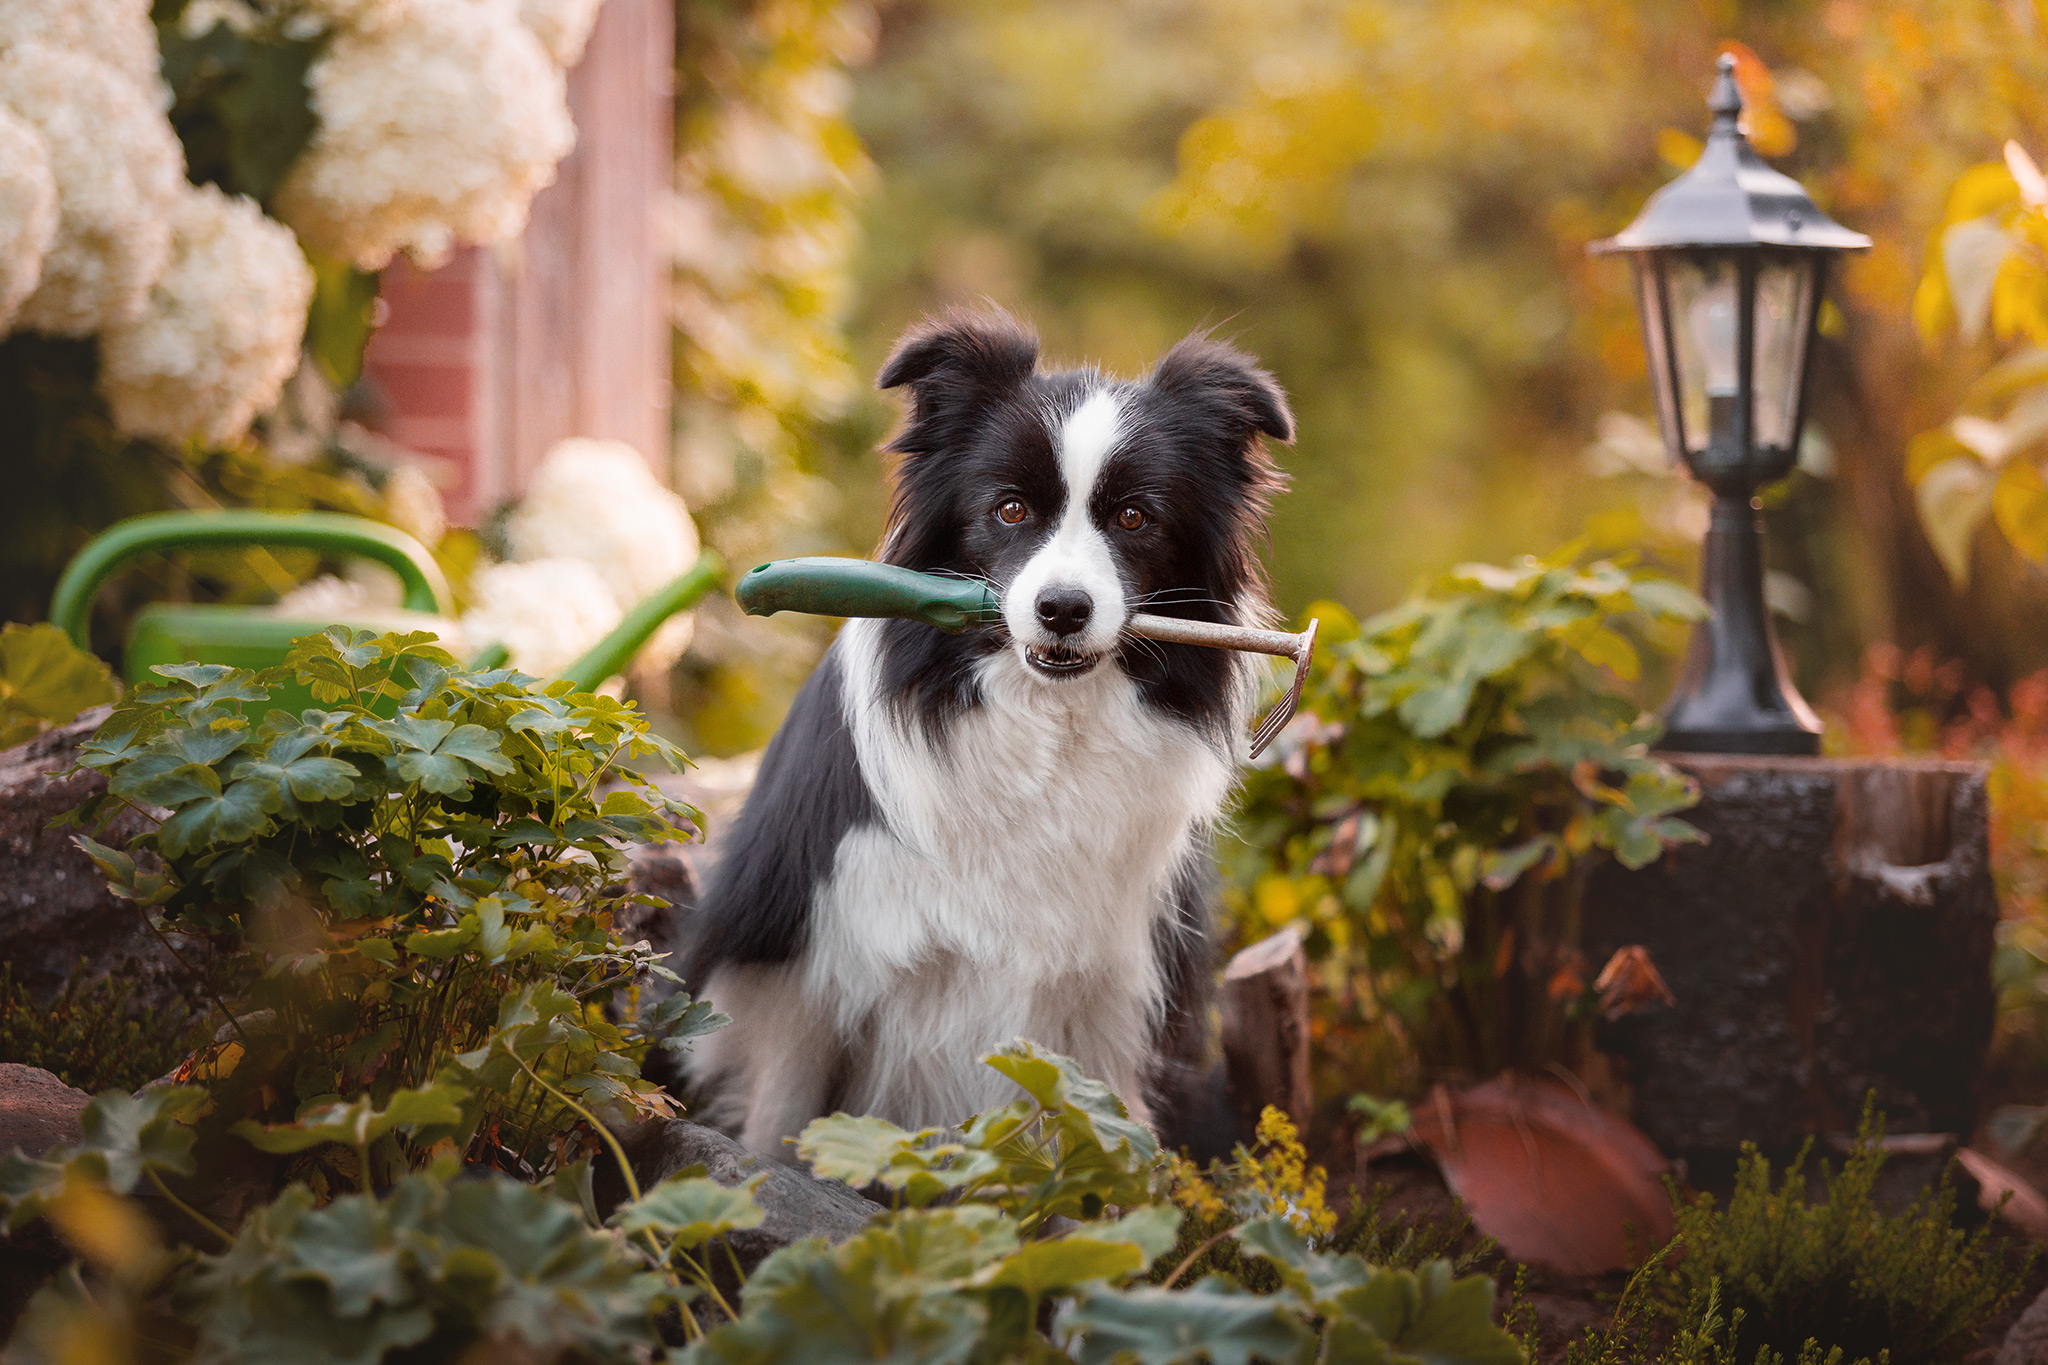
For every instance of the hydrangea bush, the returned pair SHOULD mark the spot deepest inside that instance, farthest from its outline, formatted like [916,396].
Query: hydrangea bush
[369,127]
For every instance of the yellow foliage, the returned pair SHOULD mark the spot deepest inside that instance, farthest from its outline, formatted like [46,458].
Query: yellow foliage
[2019,504]
[108,1231]
[1273,1176]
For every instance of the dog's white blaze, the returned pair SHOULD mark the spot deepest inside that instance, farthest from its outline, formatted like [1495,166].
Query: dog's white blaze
[1010,891]
[1075,555]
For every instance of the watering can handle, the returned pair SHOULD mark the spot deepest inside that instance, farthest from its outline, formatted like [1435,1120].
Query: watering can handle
[331,532]
[824,586]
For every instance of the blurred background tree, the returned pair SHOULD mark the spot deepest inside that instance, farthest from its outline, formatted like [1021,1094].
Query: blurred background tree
[1388,202]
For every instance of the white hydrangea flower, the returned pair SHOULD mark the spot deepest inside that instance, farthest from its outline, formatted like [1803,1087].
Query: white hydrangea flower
[597,501]
[221,330]
[28,212]
[119,172]
[563,26]
[326,597]
[117,32]
[547,612]
[414,504]
[201,17]
[436,127]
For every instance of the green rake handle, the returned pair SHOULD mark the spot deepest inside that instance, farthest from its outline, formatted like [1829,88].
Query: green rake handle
[824,586]
[861,587]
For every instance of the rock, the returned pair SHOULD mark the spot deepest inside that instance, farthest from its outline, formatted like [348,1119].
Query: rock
[2027,1342]
[798,1205]
[55,909]
[37,1111]
[1832,938]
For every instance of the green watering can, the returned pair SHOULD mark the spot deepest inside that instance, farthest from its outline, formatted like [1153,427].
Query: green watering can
[256,637]
[859,587]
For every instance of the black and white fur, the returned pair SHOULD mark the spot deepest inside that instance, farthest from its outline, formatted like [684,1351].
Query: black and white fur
[959,840]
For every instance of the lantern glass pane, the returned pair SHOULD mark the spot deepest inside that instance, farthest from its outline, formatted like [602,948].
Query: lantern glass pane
[1656,340]
[1705,321]
[1784,307]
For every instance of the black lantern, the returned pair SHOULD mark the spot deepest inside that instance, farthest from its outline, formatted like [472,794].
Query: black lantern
[1730,260]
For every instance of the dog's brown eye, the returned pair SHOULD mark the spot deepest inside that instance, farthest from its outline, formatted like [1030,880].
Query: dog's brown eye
[1011,512]
[1130,518]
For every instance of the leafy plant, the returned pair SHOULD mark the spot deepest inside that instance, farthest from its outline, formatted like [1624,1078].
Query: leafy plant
[1429,818]
[987,1275]
[45,680]
[422,880]
[1773,1277]
[977,1262]
[91,1035]
[1988,275]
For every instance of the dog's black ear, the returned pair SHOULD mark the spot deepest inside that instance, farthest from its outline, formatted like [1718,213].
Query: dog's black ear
[953,364]
[978,349]
[1202,368]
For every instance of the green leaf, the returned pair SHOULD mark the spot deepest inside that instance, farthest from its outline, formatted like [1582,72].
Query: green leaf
[1427,1316]
[296,776]
[265,112]
[855,1148]
[1608,649]
[235,814]
[679,1019]
[690,1210]
[1433,711]
[358,1123]
[1211,1320]
[1954,497]
[440,755]
[122,1137]
[342,318]
[1316,1277]
[352,1245]
[1039,1268]
[1082,1103]
[45,680]
[1660,597]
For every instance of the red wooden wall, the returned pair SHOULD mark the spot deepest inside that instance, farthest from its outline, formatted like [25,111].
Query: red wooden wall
[491,359]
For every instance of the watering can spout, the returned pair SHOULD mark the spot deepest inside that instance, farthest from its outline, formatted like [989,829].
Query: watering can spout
[611,654]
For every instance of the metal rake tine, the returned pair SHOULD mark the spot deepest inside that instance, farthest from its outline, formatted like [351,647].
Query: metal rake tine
[1283,710]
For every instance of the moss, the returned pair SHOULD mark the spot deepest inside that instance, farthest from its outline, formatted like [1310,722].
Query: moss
[92,1035]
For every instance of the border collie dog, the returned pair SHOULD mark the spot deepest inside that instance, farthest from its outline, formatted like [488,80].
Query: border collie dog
[959,840]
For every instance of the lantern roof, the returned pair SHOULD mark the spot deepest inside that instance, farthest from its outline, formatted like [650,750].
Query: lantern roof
[1730,197]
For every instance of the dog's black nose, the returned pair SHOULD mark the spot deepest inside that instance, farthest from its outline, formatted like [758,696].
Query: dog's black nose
[1065,611]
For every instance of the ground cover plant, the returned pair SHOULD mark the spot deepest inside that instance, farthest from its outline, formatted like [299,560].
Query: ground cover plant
[428,1033]
[1779,1276]
[92,1035]
[1429,821]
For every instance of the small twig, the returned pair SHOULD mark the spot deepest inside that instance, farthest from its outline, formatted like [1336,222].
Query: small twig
[618,1151]
[1194,1256]
[181,1206]
[705,1282]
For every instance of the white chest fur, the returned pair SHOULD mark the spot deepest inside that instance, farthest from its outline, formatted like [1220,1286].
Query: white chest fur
[1012,887]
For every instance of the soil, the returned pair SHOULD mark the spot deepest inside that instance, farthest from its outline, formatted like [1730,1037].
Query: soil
[1564,1308]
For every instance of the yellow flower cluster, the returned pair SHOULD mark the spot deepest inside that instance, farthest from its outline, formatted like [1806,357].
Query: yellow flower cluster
[1272,1177]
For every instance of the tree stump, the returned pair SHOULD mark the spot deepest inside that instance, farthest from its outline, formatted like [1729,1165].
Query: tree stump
[1265,1029]
[1832,938]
